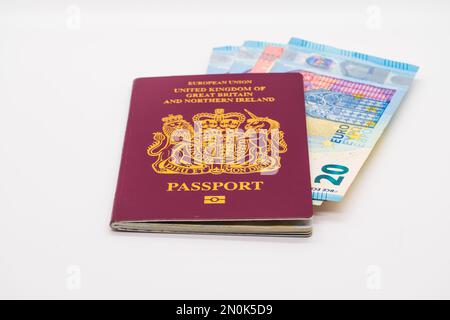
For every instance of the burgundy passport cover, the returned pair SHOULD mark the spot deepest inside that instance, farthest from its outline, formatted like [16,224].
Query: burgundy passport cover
[152,186]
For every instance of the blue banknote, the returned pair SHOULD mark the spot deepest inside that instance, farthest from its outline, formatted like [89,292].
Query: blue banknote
[221,59]
[248,55]
[350,98]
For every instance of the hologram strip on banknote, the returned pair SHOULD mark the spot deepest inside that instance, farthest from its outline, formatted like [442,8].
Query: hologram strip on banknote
[267,59]
[248,55]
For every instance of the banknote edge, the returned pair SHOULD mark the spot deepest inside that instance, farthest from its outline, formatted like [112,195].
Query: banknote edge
[322,48]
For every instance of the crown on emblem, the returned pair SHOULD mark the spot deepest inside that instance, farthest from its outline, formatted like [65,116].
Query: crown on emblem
[172,118]
[220,120]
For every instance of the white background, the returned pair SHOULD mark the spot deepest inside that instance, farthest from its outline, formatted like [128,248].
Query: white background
[66,69]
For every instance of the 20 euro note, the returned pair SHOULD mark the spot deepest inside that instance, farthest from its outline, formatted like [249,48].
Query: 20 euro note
[350,99]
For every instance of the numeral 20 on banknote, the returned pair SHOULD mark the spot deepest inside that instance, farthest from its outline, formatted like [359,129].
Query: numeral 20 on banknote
[334,173]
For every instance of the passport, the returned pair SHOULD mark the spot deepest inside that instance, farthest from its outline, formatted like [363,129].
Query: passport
[216,154]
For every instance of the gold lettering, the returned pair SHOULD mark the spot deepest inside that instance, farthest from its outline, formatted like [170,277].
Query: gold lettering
[258,185]
[245,186]
[217,185]
[184,187]
[195,186]
[172,185]
[206,186]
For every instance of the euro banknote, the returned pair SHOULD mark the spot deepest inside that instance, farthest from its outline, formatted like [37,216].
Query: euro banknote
[350,98]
